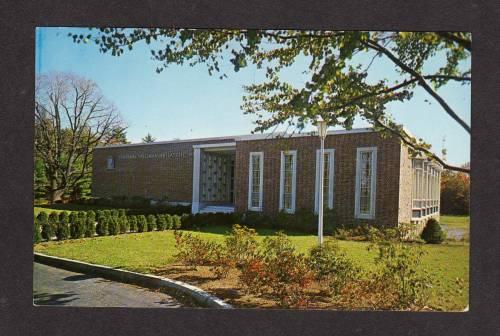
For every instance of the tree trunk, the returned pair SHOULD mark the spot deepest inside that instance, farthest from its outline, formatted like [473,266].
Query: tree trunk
[55,193]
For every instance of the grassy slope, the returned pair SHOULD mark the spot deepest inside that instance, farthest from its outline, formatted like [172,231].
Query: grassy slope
[145,252]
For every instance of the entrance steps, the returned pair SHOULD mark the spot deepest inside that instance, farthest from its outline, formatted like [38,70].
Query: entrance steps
[217,209]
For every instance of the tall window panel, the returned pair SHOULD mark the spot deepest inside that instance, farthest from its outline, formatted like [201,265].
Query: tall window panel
[328,179]
[288,181]
[426,188]
[366,175]
[255,181]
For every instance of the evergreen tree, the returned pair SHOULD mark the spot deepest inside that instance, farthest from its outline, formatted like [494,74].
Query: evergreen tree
[148,138]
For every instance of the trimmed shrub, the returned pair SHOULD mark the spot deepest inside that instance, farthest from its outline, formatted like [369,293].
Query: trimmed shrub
[185,221]
[102,225]
[433,233]
[176,222]
[161,223]
[37,234]
[73,216]
[115,213]
[254,219]
[304,220]
[90,224]
[82,215]
[62,231]
[77,227]
[113,226]
[151,219]
[132,222]
[282,220]
[169,224]
[124,226]
[54,220]
[47,231]
[122,212]
[332,266]
[141,223]
[107,213]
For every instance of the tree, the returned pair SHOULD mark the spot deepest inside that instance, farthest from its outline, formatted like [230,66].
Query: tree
[40,180]
[455,192]
[337,88]
[72,117]
[117,136]
[148,139]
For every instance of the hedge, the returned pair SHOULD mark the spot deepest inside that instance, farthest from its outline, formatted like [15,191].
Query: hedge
[62,231]
[141,223]
[151,219]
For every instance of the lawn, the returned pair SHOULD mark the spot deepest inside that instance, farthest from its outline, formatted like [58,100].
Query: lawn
[456,222]
[152,251]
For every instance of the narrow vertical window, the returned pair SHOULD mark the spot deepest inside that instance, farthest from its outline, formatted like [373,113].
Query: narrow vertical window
[255,181]
[328,180]
[366,170]
[110,163]
[287,181]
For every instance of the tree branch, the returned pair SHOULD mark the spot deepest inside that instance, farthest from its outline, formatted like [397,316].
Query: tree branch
[421,81]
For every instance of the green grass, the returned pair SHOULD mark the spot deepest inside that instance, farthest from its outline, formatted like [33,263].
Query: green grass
[144,252]
[455,222]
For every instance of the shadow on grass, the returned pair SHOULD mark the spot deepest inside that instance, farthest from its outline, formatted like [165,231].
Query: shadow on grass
[225,229]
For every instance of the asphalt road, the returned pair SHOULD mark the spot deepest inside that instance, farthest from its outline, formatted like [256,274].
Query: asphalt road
[54,286]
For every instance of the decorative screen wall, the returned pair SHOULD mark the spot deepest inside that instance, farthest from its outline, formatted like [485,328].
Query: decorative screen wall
[216,177]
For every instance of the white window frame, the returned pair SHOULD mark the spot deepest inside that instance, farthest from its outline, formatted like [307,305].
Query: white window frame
[294,180]
[373,186]
[250,180]
[108,167]
[331,176]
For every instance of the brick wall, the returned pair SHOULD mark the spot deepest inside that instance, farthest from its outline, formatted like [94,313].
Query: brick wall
[345,145]
[170,175]
[405,186]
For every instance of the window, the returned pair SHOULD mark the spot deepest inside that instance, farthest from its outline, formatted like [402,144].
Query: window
[255,181]
[366,175]
[328,180]
[426,188]
[287,181]
[110,163]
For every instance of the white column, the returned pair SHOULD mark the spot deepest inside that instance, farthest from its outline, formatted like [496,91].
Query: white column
[321,187]
[195,202]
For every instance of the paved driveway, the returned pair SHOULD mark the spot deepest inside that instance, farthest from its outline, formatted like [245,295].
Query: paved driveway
[54,286]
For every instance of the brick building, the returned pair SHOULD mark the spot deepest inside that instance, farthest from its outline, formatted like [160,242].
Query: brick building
[367,178]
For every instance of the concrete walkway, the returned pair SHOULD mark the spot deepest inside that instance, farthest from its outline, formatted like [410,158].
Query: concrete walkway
[54,286]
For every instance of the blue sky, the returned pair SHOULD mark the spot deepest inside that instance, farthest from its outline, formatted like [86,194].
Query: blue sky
[185,102]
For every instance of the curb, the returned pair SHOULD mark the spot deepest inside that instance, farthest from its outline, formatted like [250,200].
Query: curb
[203,298]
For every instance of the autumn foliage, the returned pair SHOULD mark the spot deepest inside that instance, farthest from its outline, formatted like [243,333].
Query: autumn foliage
[455,193]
